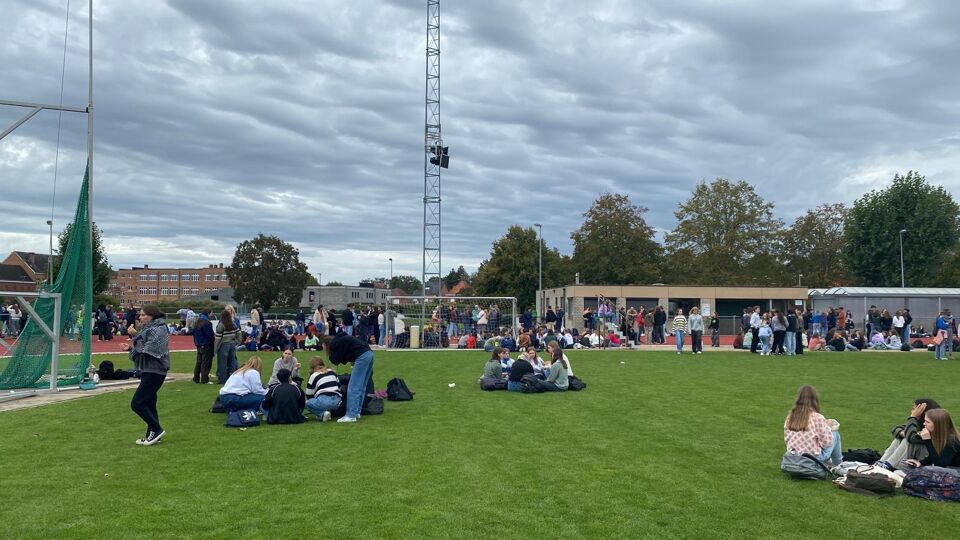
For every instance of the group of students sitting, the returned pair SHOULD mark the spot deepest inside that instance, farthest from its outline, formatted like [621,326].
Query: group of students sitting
[282,401]
[928,437]
[502,372]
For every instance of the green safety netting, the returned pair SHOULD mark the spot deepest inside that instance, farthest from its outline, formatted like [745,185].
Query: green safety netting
[29,364]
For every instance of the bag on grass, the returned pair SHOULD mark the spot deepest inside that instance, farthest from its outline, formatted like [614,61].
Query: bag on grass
[867,483]
[917,344]
[491,383]
[217,406]
[397,390]
[863,455]
[804,467]
[933,483]
[574,383]
[905,347]
[529,384]
[242,419]
[372,405]
[106,370]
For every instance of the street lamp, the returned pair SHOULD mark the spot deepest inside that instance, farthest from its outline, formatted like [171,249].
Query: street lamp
[540,280]
[320,288]
[50,257]
[390,284]
[902,281]
[799,277]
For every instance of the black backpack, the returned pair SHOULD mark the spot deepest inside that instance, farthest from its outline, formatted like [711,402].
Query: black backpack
[574,383]
[218,406]
[105,370]
[905,347]
[397,390]
[529,384]
[489,384]
[917,344]
[863,455]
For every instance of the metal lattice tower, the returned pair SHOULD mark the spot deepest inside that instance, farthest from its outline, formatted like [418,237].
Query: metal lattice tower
[433,152]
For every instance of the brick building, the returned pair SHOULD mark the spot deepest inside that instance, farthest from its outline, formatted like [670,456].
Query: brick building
[145,284]
[14,279]
[34,265]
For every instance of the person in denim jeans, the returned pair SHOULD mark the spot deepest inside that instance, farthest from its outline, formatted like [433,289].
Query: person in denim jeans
[346,349]
[244,388]
[943,329]
[807,431]
[679,329]
[323,390]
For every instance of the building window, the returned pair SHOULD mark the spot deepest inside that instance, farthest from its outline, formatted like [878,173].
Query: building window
[152,291]
[142,291]
[174,290]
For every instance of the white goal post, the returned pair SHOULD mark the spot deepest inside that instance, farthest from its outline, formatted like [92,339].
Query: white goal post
[439,322]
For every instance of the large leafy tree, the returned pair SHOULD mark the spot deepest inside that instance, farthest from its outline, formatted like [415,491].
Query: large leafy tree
[725,235]
[101,267]
[871,235]
[513,267]
[269,271]
[813,244]
[456,276]
[410,284]
[614,245]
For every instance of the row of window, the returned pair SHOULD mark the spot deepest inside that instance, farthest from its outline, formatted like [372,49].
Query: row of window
[170,291]
[183,277]
[356,294]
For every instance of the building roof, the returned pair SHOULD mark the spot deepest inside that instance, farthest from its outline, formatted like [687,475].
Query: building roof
[885,291]
[13,272]
[36,261]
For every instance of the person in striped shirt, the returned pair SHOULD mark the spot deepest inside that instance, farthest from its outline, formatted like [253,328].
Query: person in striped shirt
[323,390]
[679,329]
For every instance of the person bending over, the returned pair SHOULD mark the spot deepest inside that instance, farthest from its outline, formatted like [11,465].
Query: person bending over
[807,431]
[244,389]
[941,439]
[346,349]
[323,390]
[284,401]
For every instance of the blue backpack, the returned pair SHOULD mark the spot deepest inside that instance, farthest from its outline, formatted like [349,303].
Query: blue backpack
[933,483]
[242,419]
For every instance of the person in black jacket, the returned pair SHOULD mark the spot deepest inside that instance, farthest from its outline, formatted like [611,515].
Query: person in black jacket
[348,317]
[941,440]
[519,368]
[346,349]
[659,320]
[284,402]
[203,338]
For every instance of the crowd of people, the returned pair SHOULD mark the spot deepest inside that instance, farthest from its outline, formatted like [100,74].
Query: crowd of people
[528,369]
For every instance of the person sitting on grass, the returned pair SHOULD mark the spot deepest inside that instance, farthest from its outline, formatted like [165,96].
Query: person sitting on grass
[502,354]
[737,340]
[837,343]
[530,355]
[857,341]
[286,361]
[462,342]
[817,343]
[612,340]
[557,378]
[507,341]
[893,341]
[472,340]
[244,389]
[555,349]
[807,431]
[941,440]
[312,341]
[323,390]
[493,369]
[907,443]
[519,368]
[284,401]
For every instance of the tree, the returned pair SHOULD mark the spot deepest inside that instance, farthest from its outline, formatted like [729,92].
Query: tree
[456,276]
[269,271]
[101,267]
[513,267]
[333,284]
[872,239]
[409,284]
[813,244]
[614,245]
[725,235]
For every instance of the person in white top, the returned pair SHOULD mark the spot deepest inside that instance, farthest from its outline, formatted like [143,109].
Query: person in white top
[568,339]
[244,389]
[382,323]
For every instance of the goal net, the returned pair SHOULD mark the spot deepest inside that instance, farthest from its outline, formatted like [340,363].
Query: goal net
[53,348]
[431,322]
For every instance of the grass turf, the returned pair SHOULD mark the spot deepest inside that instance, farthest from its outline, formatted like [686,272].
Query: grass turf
[657,445]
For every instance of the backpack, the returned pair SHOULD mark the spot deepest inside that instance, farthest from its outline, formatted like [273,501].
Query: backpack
[397,390]
[917,344]
[804,467]
[105,370]
[863,455]
[528,384]
[933,483]
[905,347]
[242,419]
[372,405]
[574,383]
[490,384]
[101,316]
[867,483]
[217,406]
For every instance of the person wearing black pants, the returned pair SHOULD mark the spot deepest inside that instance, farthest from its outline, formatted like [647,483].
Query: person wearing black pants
[149,349]
[203,339]
[715,331]
[755,329]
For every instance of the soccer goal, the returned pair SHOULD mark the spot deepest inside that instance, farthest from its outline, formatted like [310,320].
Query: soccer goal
[431,322]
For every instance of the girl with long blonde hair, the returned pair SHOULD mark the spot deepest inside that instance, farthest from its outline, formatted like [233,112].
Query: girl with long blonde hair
[244,389]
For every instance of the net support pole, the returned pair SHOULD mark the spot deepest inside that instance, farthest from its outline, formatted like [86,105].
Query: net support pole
[55,345]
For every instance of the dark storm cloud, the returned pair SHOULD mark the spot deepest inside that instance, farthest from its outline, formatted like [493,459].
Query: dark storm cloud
[219,120]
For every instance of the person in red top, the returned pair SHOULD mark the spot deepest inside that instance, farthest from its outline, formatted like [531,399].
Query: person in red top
[472,340]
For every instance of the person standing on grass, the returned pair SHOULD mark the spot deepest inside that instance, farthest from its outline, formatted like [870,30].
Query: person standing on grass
[807,431]
[244,389]
[715,332]
[755,329]
[150,351]
[696,330]
[790,337]
[648,327]
[346,349]
[203,339]
[679,329]
[226,339]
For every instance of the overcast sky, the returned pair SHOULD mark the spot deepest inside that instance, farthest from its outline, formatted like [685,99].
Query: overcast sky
[219,120]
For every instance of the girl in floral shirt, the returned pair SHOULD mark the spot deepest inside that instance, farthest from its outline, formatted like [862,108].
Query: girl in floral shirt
[806,431]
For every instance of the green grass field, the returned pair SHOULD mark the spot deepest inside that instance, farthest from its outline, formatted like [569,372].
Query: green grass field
[657,446]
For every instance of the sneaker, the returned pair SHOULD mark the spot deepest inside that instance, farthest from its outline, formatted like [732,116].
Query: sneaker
[153,438]
[326,416]
[699,352]
[678,352]
[346,420]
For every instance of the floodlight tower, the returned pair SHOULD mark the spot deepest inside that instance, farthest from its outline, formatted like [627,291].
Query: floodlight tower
[435,155]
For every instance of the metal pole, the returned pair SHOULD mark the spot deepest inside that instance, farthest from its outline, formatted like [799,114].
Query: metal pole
[540,280]
[50,256]
[390,284]
[902,280]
